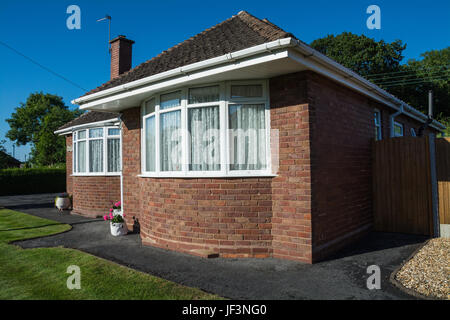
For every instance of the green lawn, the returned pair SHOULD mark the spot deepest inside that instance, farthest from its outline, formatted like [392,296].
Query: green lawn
[41,273]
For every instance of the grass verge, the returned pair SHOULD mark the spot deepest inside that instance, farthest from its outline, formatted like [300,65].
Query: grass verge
[41,273]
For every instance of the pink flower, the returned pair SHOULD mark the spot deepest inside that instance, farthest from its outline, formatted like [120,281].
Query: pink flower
[111,215]
[104,218]
[111,210]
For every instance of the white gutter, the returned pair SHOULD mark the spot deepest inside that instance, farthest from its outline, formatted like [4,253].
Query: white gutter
[265,47]
[84,125]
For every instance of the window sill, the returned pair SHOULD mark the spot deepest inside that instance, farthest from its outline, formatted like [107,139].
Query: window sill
[207,176]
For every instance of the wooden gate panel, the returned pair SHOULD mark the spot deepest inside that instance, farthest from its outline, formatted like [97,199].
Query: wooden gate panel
[443,178]
[402,186]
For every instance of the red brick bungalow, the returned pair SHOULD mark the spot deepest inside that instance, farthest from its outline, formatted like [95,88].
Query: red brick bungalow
[241,141]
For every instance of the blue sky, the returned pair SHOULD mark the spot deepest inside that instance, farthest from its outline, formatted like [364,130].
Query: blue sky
[38,30]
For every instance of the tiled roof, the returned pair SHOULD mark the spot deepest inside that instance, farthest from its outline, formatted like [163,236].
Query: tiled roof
[236,33]
[88,117]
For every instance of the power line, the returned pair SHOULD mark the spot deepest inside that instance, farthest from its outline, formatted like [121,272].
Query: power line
[42,66]
[410,83]
[412,80]
[372,75]
[416,78]
[387,78]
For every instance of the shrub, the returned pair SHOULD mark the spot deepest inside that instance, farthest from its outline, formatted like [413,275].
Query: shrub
[32,180]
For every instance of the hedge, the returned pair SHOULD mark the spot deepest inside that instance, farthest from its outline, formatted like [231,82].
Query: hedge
[32,180]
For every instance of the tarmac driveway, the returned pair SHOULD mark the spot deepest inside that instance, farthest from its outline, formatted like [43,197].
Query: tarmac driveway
[343,277]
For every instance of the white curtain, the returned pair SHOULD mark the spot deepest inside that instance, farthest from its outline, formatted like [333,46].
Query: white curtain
[95,155]
[170,146]
[204,94]
[113,155]
[204,139]
[150,144]
[81,154]
[96,133]
[247,137]
[170,100]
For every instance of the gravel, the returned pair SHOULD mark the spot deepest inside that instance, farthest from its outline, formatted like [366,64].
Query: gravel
[428,272]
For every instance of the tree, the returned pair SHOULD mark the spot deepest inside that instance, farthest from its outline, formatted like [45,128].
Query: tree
[360,53]
[432,72]
[35,121]
[3,155]
[379,62]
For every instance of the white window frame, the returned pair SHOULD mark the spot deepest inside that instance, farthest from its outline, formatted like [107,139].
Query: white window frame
[105,138]
[224,102]
[398,124]
[378,125]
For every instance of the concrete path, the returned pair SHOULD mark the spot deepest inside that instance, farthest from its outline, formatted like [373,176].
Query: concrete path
[343,277]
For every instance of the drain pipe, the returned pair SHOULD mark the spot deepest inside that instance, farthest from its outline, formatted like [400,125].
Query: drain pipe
[392,117]
[121,166]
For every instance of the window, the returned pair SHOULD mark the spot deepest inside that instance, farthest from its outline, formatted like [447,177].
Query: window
[398,129]
[377,118]
[210,130]
[413,132]
[96,151]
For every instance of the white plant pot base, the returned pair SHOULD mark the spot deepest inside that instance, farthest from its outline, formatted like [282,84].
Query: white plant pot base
[62,203]
[118,229]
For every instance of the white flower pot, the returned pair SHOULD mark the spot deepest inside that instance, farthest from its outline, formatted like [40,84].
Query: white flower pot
[62,203]
[118,229]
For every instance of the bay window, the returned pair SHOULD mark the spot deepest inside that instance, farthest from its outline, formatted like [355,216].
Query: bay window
[210,130]
[96,151]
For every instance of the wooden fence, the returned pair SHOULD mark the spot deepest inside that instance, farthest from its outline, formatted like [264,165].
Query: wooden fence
[411,184]
[443,178]
[402,185]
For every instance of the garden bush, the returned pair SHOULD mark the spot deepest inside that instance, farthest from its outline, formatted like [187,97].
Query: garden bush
[32,180]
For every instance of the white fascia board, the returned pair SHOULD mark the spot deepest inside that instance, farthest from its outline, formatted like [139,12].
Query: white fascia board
[160,86]
[266,47]
[69,130]
[309,53]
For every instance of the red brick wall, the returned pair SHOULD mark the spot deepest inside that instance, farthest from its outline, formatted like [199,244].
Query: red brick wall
[131,166]
[291,189]
[93,196]
[231,217]
[341,157]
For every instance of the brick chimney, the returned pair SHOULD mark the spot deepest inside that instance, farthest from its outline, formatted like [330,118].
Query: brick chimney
[120,55]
